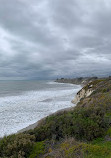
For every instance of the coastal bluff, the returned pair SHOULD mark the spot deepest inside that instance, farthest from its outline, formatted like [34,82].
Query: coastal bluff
[88,86]
[86,83]
[82,94]
[88,89]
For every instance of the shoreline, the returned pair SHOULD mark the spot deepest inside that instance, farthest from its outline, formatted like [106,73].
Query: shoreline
[61,100]
[34,125]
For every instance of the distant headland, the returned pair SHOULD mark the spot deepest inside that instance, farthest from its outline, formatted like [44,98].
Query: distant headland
[80,80]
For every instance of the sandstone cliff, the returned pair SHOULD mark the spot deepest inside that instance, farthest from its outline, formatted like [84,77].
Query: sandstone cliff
[86,91]
[82,94]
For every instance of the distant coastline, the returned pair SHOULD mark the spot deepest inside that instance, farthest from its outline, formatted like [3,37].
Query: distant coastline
[79,81]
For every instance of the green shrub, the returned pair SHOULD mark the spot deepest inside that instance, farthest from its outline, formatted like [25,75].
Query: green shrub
[70,148]
[109,132]
[81,123]
[16,145]
[38,149]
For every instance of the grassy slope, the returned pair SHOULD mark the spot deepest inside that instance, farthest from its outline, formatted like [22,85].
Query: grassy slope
[83,132]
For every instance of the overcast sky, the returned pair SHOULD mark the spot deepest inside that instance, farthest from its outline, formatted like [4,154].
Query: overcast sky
[54,38]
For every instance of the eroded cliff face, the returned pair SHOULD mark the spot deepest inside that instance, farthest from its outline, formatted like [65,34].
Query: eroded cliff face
[83,93]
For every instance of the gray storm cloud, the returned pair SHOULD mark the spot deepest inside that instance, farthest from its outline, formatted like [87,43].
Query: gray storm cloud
[54,38]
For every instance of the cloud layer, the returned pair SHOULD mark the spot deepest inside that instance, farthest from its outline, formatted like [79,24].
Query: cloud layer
[54,38]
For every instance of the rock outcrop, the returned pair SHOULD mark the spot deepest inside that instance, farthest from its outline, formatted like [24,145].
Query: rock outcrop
[88,89]
[82,94]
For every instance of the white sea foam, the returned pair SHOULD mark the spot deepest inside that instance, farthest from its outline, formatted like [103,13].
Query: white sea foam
[17,112]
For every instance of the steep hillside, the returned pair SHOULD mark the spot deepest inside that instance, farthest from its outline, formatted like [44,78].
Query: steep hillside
[83,132]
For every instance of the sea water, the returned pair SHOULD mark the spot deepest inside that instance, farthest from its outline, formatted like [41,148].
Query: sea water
[25,102]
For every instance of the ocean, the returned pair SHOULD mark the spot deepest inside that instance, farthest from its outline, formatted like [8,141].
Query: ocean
[25,102]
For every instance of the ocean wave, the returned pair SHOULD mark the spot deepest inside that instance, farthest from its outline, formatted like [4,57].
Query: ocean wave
[17,112]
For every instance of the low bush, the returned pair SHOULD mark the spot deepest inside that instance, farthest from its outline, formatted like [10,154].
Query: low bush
[16,145]
[81,123]
[38,150]
[70,148]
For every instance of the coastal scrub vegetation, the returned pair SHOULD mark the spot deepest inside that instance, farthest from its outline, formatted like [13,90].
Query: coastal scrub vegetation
[82,132]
